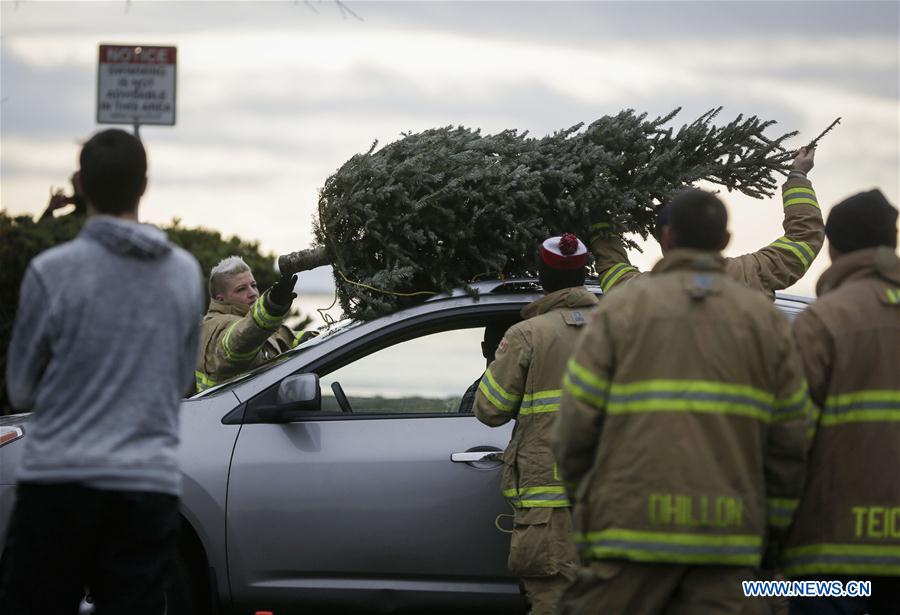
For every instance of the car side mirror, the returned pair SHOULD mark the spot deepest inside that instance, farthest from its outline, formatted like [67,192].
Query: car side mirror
[297,393]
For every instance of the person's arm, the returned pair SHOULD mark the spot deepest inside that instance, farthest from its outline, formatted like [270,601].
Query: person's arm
[787,442]
[816,347]
[29,349]
[467,403]
[610,259]
[58,200]
[235,346]
[583,405]
[502,387]
[785,260]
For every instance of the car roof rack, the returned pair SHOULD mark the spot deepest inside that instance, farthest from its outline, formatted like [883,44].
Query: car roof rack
[532,285]
[525,286]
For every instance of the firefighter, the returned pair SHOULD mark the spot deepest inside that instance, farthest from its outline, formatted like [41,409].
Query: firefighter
[847,525]
[774,267]
[522,384]
[242,329]
[681,435]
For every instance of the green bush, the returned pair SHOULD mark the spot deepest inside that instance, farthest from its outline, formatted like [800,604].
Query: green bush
[21,239]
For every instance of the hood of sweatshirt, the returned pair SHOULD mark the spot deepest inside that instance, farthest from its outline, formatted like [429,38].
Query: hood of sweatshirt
[127,238]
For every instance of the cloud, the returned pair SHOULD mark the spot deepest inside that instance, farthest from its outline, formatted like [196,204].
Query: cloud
[273,97]
[569,23]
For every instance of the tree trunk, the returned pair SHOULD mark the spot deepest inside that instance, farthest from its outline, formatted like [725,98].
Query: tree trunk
[304,260]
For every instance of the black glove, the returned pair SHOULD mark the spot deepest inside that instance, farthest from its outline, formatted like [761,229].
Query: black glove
[282,293]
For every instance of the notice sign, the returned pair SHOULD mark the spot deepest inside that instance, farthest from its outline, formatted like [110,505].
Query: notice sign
[136,85]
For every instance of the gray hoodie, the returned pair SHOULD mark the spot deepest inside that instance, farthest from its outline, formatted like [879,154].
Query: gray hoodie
[104,343]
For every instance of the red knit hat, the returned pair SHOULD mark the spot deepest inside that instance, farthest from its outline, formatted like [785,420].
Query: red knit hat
[566,252]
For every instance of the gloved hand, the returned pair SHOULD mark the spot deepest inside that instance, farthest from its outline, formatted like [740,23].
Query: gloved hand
[804,160]
[282,293]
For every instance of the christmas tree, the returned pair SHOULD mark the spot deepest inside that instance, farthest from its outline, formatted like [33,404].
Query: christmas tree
[440,209]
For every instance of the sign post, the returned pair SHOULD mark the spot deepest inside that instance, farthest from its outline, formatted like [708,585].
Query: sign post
[136,85]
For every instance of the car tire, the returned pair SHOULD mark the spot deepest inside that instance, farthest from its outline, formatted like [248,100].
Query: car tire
[180,596]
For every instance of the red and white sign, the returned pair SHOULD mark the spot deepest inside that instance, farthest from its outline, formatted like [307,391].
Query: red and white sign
[136,85]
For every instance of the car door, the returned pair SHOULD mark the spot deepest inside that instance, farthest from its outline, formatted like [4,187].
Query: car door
[351,507]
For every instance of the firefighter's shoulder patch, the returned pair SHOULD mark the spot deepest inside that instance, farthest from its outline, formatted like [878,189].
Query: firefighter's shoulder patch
[575,318]
[502,346]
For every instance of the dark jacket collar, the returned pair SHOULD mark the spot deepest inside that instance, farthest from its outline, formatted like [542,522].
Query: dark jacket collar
[576,297]
[691,260]
[220,307]
[880,262]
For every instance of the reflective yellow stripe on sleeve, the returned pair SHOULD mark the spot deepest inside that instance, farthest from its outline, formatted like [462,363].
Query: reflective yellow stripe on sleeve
[798,196]
[203,382]
[796,406]
[262,317]
[553,496]
[612,276]
[799,249]
[540,402]
[781,511]
[496,394]
[582,384]
[600,230]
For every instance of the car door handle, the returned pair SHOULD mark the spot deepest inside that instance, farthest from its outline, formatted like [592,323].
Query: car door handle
[471,456]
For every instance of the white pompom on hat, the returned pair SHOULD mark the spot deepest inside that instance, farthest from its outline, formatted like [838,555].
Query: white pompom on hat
[564,252]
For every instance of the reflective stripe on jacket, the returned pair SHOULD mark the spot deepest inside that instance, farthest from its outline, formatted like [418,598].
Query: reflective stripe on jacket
[774,267]
[848,521]
[523,383]
[237,338]
[682,429]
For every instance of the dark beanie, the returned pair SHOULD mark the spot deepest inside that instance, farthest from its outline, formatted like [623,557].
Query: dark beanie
[662,219]
[864,220]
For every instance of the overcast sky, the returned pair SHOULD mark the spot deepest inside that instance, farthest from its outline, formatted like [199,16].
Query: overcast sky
[273,97]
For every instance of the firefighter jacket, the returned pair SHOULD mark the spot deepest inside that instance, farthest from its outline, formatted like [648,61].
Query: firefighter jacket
[774,267]
[848,521]
[682,429]
[523,384]
[236,338]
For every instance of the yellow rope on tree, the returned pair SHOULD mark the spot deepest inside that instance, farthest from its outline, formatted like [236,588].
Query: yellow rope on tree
[380,290]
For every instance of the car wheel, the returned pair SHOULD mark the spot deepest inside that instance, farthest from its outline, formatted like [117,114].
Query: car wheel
[180,597]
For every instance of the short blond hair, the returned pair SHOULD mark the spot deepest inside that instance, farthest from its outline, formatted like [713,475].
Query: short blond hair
[219,274]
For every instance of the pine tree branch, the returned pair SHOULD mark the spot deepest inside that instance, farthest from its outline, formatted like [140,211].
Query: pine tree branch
[824,132]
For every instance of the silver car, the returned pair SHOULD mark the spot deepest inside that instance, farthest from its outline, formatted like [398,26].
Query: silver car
[343,476]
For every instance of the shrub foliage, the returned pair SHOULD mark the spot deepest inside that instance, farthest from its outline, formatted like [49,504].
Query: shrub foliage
[21,239]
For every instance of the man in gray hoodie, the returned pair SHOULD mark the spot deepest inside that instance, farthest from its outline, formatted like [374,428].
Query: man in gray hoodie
[104,343]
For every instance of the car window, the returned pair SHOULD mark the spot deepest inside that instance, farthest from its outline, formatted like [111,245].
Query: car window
[428,374]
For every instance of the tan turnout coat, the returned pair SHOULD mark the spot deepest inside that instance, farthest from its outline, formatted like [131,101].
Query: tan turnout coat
[523,384]
[848,521]
[236,338]
[682,431]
